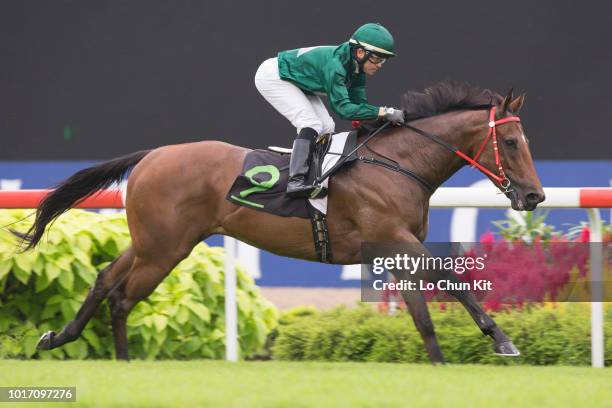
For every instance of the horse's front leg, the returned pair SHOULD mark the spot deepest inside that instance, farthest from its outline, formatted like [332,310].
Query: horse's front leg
[417,306]
[502,344]
[422,320]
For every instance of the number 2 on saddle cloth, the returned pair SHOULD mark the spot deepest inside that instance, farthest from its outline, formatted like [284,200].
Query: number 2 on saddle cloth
[262,182]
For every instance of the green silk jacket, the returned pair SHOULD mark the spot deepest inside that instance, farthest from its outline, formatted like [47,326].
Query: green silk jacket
[329,70]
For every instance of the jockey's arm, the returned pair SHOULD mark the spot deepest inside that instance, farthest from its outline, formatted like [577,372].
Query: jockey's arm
[341,102]
[357,93]
[357,97]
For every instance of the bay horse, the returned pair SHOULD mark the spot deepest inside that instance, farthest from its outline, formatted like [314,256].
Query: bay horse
[176,198]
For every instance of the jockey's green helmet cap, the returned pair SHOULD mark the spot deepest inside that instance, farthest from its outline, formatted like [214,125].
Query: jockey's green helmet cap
[375,38]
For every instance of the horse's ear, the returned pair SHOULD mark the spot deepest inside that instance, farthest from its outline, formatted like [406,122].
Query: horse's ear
[517,104]
[506,103]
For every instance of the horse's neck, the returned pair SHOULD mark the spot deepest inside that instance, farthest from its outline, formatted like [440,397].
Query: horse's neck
[430,160]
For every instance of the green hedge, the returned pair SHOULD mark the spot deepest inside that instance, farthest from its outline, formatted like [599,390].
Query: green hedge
[549,334]
[42,290]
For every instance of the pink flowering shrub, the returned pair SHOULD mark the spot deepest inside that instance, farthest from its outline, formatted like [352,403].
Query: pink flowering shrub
[529,272]
[529,261]
[533,262]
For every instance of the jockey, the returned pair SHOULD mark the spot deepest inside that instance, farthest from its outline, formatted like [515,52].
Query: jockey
[294,81]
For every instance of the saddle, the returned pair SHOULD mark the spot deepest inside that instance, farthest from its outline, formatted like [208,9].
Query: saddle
[262,183]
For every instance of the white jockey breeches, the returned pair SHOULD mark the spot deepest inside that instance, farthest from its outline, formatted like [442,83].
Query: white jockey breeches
[302,110]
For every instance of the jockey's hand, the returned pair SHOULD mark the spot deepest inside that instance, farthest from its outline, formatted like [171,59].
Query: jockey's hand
[393,115]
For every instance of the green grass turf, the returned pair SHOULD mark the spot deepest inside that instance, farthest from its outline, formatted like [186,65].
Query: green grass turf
[311,384]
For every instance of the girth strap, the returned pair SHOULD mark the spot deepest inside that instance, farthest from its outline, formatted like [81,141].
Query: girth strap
[320,236]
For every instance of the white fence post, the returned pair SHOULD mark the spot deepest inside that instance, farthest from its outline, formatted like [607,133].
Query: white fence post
[596,258]
[231,313]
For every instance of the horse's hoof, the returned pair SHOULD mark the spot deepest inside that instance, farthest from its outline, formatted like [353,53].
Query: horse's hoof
[506,349]
[45,341]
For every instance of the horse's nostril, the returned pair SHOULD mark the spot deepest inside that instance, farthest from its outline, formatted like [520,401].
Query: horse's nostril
[534,198]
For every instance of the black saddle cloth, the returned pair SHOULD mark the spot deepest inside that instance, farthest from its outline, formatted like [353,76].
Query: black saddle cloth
[263,181]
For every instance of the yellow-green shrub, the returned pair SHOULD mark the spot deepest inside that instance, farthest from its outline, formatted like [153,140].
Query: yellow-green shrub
[42,290]
[545,334]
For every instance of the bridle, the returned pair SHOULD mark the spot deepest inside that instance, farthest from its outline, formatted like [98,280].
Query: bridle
[501,177]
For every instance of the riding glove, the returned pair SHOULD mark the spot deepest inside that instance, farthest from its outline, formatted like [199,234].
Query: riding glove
[393,115]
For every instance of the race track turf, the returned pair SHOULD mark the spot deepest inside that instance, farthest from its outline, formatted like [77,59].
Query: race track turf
[288,384]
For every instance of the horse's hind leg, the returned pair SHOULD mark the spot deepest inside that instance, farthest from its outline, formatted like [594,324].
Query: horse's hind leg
[142,279]
[119,314]
[108,278]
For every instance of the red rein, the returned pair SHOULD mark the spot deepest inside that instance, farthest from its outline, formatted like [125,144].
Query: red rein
[501,178]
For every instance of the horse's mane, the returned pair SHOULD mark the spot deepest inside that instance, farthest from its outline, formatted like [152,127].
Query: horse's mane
[445,97]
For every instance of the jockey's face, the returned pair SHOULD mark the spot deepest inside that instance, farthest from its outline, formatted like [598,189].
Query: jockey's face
[372,64]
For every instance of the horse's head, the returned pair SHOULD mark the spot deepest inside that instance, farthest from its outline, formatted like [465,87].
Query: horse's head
[497,146]
[509,158]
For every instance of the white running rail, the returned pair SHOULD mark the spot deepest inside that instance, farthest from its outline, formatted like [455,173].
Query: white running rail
[591,199]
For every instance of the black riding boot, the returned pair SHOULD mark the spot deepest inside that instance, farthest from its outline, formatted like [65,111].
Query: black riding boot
[299,166]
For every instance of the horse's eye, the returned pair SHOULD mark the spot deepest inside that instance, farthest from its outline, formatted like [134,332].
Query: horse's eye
[510,142]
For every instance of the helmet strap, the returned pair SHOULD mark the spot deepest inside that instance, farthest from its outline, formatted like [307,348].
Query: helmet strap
[360,61]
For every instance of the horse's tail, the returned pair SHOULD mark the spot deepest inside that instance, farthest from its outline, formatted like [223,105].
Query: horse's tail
[75,189]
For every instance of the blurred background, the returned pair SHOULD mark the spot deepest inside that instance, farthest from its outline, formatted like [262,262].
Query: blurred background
[84,81]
